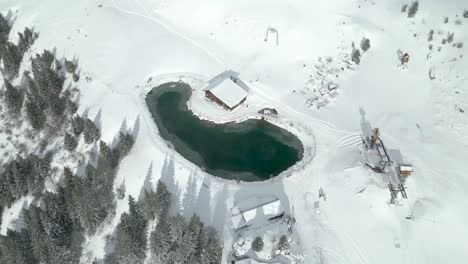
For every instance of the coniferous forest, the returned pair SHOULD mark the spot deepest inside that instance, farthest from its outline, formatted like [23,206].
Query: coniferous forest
[39,119]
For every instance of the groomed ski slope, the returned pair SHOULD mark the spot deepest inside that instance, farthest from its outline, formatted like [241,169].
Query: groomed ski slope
[123,43]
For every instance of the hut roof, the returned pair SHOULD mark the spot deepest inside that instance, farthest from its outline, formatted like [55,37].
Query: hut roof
[229,92]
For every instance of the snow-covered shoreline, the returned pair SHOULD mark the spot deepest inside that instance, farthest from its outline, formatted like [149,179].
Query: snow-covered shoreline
[196,82]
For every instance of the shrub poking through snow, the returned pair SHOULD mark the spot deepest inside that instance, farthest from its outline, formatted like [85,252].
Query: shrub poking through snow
[356,56]
[257,244]
[465,14]
[413,9]
[450,37]
[430,36]
[365,44]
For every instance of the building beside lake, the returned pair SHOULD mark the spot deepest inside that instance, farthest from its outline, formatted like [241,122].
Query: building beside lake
[256,209]
[227,90]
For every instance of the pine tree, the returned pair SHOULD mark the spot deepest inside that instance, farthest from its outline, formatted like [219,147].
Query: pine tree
[91,131]
[121,191]
[163,200]
[160,244]
[26,39]
[4,32]
[69,142]
[15,248]
[413,9]
[12,58]
[177,229]
[13,98]
[356,56]
[40,245]
[130,238]
[35,114]
[193,235]
[283,243]
[150,204]
[76,77]
[365,44]
[211,248]
[77,125]
[72,107]
[124,145]
[73,189]
[70,67]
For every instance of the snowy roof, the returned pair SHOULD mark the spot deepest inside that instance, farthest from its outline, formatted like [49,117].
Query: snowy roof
[246,204]
[273,208]
[406,168]
[238,221]
[247,261]
[255,208]
[250,215]
[268,210]
[251,261]
[229,92]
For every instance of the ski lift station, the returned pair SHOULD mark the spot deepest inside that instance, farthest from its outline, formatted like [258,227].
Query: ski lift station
[227,90]
[386,161]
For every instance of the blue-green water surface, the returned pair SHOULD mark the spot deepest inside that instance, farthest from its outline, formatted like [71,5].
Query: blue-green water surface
[251,150]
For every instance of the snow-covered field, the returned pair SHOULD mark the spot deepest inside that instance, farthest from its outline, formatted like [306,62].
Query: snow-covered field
[124,47]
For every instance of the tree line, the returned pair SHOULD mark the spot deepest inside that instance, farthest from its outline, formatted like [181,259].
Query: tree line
[172,241]
[52,228]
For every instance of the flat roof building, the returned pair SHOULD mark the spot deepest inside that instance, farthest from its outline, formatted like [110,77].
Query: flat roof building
[255,209]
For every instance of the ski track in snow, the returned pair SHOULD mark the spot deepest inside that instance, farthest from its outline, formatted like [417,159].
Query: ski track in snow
[168,28]
[323,127]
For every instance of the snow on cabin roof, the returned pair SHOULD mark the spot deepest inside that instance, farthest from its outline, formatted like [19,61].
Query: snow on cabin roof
[229,92]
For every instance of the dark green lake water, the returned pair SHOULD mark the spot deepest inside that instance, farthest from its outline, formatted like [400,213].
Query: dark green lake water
[251,150]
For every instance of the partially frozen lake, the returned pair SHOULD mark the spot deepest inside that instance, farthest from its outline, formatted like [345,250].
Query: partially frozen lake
[252,150]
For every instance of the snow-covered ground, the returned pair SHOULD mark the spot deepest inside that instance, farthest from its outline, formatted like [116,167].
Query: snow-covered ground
[121,44]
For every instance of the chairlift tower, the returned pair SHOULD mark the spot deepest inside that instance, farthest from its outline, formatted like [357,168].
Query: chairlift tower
[272,30]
